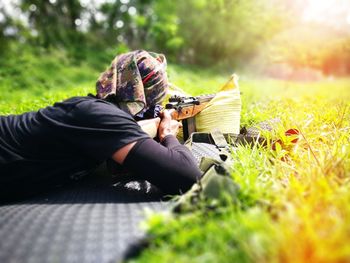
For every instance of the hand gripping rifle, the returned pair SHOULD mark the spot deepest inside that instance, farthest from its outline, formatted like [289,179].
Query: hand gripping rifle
[186,108]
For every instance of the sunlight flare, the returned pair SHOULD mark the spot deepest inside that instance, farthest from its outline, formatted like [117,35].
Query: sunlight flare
[327,11]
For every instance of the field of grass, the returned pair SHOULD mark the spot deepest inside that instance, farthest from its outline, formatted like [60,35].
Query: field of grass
[293,203]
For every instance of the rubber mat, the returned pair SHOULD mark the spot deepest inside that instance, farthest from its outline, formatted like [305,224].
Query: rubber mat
[89,222]
[92,220]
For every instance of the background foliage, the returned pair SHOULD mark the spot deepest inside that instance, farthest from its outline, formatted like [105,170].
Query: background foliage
[217,32]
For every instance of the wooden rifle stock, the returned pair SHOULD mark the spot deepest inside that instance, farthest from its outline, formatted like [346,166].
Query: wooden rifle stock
[186,108]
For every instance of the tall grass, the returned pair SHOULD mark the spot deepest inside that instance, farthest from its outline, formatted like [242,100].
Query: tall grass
[293,204]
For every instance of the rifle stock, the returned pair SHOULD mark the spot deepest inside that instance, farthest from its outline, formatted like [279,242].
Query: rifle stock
[186,108]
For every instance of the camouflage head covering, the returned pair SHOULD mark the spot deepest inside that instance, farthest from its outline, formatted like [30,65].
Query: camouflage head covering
[135,81]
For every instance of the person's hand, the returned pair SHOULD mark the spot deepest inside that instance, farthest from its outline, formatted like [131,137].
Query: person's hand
[168,126]
[150,126]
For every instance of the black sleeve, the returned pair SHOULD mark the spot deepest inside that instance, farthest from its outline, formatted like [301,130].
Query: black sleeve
[169,166]
[91,127]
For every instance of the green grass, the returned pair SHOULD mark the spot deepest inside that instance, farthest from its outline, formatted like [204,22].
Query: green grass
[287,211]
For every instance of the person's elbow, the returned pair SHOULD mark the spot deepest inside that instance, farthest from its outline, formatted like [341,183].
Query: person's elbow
[184,176]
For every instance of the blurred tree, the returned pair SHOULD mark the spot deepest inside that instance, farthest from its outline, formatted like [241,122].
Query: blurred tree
[207,32]
[195,31]
[311,46]
[336,60]
[127,21]
[54,21]
[3,24]
[11,30]
[164,32]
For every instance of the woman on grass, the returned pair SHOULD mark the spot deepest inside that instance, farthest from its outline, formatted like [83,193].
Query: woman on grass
[71,138]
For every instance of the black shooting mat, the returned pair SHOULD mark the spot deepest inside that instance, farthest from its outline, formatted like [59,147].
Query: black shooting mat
[96,219]
[89,221]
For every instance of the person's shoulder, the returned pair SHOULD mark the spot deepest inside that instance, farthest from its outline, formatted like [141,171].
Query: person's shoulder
[80,99]
[88,102]
[89,106]
[84,111]
[85,102]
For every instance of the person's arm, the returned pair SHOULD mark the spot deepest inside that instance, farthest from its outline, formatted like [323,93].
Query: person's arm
[165,127]
[150,126]
[169,165]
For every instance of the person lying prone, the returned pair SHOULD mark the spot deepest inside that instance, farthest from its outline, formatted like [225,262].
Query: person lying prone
[71,138]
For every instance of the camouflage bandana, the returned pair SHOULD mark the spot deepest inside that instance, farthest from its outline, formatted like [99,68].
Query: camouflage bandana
[135,81]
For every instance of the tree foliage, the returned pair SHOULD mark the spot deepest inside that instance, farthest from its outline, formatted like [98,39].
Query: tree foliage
[204,32]
[220,30]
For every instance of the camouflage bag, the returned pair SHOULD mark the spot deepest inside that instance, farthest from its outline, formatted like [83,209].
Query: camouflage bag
[216,186]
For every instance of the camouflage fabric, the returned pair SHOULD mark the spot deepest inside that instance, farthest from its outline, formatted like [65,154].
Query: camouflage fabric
[214,189]
[135,81]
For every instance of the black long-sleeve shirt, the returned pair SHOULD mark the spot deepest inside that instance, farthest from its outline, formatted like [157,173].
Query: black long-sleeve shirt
[71,138]
[169,166]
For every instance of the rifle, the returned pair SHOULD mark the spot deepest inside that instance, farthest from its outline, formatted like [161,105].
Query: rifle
[186,108]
